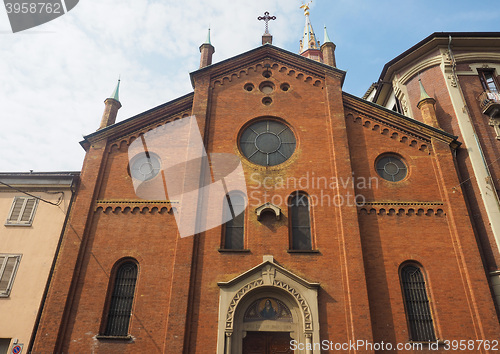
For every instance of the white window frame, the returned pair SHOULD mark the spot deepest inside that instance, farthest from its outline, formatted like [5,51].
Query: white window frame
[6,292]
[18,222]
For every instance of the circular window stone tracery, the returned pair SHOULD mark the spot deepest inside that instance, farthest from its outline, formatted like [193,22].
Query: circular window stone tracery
[145,166]
[391,168]
[267,142]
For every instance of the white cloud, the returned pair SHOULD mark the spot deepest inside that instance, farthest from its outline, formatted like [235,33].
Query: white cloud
[55,77]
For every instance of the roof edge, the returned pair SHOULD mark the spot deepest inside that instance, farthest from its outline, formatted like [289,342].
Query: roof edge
[408,119]
[424,41]
[130,119]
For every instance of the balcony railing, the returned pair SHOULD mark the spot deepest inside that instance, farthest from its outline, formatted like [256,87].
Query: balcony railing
[490,103]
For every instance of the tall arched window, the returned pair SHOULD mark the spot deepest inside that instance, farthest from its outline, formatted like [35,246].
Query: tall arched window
[300,222]
[418,312]
[120,307]
[234,228]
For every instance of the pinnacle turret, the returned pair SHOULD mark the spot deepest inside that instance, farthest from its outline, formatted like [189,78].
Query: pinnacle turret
[111,106]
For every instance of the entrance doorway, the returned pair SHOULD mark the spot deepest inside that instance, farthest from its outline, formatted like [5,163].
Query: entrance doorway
[267,343]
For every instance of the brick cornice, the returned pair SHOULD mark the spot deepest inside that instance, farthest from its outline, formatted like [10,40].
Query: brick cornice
[143,121]
[397,121]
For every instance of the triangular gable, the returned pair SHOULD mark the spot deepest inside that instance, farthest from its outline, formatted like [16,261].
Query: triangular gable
[234,65]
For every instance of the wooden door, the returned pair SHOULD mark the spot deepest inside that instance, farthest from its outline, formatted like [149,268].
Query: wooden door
[267,343]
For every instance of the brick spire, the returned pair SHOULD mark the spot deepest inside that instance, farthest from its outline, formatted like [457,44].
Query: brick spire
[426,106]
[207,50]
[111,106]
[328,51]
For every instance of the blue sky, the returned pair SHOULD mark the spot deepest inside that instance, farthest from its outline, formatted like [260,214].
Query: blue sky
[55,77]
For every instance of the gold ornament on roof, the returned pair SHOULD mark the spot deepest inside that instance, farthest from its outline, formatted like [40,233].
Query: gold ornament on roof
[306,8]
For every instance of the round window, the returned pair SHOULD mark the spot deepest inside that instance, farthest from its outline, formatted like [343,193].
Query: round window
[267,142]
[391,168]
[145,166]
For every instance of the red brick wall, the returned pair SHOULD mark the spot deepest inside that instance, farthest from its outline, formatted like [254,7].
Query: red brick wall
[435,85]
[176,307]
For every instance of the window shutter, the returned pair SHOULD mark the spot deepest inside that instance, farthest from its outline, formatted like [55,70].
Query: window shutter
[28,210]
[16,210]
[22,211]
[8,265]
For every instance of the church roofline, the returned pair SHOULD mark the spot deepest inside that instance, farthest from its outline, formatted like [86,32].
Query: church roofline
[428,43]
[406,123]
[237,60]
[135,122]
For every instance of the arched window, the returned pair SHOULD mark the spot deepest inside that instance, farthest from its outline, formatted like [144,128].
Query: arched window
[300,222]
[120,307]
[418,312]
[234,228]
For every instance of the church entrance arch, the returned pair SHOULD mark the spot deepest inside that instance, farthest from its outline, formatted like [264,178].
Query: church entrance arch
[267,307]
[267,319]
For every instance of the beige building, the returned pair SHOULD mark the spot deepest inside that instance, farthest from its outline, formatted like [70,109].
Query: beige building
[33,209]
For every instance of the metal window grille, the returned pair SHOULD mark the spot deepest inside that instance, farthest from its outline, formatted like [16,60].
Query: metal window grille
[301,223]
[22,211]
[234,229]
[122,298]
[418,311]
[8,268]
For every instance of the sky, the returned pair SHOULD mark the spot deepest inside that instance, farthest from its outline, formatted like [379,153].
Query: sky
[55,77]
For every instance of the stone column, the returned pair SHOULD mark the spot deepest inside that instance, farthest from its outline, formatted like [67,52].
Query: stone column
[309,345]
[228,342]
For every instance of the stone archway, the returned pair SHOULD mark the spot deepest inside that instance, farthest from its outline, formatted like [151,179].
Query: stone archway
[267,281]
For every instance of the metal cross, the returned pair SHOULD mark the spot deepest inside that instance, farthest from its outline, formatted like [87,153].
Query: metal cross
[266,18]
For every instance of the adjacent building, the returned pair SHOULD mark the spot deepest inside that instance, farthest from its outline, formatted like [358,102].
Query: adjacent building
[460,73]
[34,208]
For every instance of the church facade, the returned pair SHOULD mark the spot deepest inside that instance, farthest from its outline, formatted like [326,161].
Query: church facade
[353,231]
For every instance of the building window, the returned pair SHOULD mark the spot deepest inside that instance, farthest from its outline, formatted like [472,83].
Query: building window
[122,298]
[391,168]
[22,211]
[234,228]
[418,312]
[4,345]
[267,142]
[145,166]
[300,222]
[488,80]
[8,268]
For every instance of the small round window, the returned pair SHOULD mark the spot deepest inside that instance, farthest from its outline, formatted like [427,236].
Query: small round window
[391,168]
[145,166]
[267,142]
